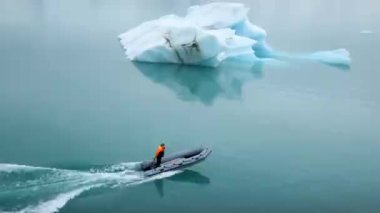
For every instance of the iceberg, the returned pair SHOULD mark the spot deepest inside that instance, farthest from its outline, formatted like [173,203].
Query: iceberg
[366,32]
[173,39]
[207,35]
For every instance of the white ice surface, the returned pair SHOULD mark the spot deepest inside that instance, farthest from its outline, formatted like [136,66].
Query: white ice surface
[207,35]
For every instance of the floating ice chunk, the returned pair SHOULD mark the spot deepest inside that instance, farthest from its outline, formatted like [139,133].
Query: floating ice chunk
[366,32]
[208,35]
[173,39]
[338,57]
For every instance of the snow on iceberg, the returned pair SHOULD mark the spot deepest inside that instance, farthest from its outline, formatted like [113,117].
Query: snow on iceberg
[208,35]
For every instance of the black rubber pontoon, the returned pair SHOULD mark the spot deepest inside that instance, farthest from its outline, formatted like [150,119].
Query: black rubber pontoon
[175,161]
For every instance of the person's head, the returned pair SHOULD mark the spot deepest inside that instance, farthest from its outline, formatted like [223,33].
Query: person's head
[163,145]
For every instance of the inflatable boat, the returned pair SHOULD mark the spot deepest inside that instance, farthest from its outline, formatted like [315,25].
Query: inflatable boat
[175,161]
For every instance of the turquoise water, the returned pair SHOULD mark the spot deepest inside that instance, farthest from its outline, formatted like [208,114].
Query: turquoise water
[289,136]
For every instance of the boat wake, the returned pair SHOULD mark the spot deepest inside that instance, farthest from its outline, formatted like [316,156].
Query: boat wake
[29,189]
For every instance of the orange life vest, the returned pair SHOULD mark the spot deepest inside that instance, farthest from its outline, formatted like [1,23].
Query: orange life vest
[160,149]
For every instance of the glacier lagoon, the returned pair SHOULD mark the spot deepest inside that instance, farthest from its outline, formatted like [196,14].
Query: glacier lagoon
[289,134]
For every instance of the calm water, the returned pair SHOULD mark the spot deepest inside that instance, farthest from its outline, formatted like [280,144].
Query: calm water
[287,137]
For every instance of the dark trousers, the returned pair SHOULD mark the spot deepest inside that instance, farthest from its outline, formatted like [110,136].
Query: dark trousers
[158,159]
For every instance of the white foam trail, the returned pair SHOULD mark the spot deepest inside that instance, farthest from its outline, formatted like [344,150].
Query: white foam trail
[76,182]
[55,204]
[4,167]
[148,179]
[131,166]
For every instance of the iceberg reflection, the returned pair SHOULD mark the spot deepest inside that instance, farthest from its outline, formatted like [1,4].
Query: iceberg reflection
[204,84]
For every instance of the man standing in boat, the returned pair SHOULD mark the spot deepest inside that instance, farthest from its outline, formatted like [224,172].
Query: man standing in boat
[159,154]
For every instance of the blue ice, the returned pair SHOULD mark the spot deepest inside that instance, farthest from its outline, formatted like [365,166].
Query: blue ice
[208,35]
